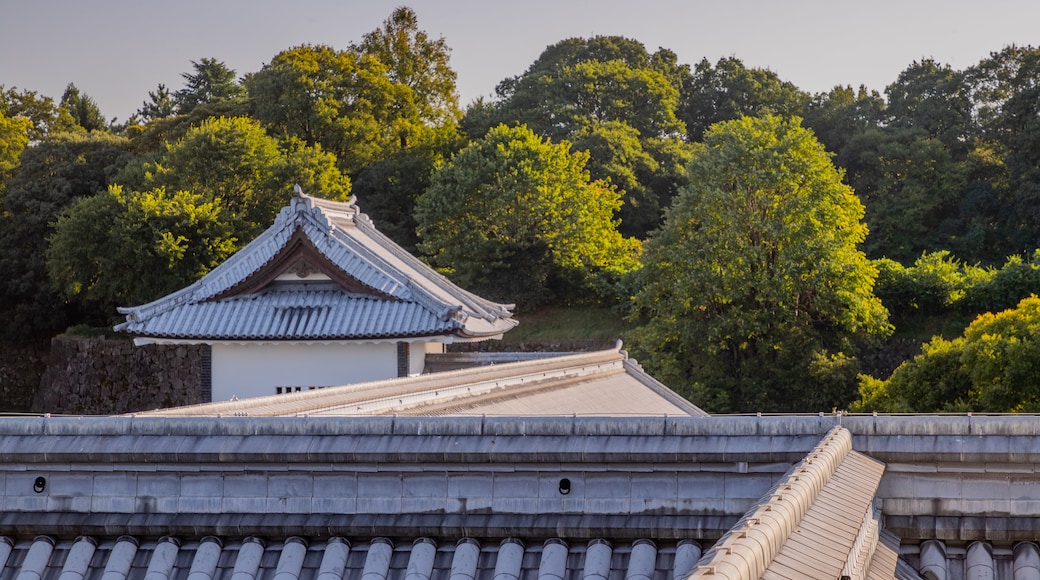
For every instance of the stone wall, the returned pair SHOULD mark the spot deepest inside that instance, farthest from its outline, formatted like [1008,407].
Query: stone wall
[21,366]
[98,376]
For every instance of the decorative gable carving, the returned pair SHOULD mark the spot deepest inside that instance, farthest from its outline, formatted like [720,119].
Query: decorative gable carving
[301,258]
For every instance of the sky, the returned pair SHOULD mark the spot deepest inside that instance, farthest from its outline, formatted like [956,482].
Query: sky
[116,51]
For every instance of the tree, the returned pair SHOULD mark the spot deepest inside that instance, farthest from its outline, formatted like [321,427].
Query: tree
[14,137]
[606,95]
[53,174]
[838,116]
[1005,90]
[83,109]
[341,100]
[119,248]
[730,90]
[932,97]
[753,291]
[234,163]
[416,61]
[516,218]
[212,81]
[45,116]
[159,106]
[387,191]
[912,189]
[993,368]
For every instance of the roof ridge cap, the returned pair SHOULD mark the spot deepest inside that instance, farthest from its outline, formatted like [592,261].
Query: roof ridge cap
[760,535]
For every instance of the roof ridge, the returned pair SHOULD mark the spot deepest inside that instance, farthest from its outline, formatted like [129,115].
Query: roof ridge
[747,550]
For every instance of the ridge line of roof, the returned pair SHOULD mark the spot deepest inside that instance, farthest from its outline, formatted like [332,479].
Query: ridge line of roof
[312,401]
[747,550]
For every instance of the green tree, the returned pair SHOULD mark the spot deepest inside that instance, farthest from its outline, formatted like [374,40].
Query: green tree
[83,109]
[730,90]
[606,95]
[994,367]
[912,188]
[387,191]
[53,173]
[236,164]
[46,117]
[211,81]
[341,100]
[418,62]
[1005,90]
[838,116]
[932,98]
[516,218]
[753,291]
[119,248]
[14,137]
[159,104]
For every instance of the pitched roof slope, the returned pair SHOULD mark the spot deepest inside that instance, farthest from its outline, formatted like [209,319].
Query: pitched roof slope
[817,522]
[369,288]
[602,383]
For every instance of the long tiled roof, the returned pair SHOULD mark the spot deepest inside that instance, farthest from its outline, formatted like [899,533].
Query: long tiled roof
[602,383]
[395,294]
[333,498]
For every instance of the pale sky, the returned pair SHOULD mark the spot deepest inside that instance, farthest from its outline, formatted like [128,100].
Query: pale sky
[116,51]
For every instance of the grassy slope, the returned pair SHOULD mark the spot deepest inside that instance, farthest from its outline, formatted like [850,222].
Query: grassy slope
[558,323]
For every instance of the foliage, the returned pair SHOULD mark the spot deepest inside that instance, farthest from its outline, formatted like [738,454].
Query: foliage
[730,90]
[416,61]
[516,218]
[606,95]
[384,96]
[838,116]
[753,288]
[159,104]
[14,137]
[993,367]
[234,163]
[55,172]
[119,248]
[84,111]
[210,82]
[1003,288]
[936,282]
[45,116]
[387,191]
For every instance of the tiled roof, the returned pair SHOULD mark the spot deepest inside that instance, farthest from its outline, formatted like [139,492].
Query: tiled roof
[300,314]
[338,558]
[414,299]
[818,522]
[602,383]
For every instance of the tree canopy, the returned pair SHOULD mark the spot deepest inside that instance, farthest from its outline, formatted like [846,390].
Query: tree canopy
[992,368]
[53,174]
[516,217]
[234,163]
[606,95]
[121,248]
[170,219]
[211,81]
[752,290]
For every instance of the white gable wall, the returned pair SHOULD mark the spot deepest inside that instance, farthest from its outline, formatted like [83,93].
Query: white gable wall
[253,370]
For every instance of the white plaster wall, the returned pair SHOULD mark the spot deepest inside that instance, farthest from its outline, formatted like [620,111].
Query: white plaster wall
[256,370]
[417,355]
